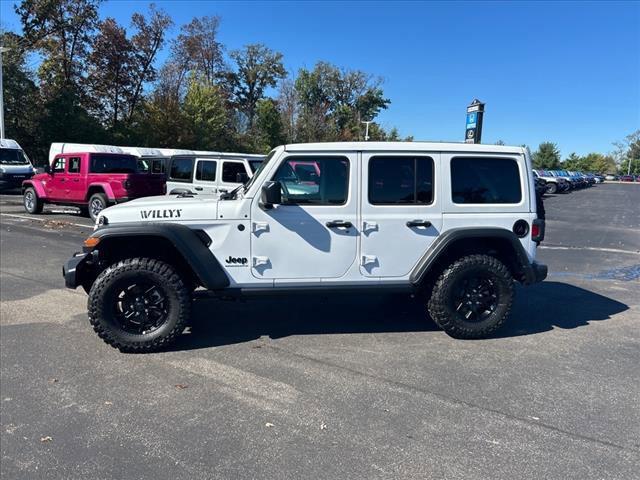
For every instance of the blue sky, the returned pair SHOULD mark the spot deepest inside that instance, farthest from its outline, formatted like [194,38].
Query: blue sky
[565,72]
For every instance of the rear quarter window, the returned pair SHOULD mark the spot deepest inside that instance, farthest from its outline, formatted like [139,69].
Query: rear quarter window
[482,180]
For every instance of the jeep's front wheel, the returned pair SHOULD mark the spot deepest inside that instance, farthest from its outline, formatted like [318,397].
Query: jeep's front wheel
[472,297]
[139,305]
[552,187]
[32,204]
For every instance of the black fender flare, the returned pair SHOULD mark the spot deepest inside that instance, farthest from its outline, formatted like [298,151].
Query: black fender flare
[444,241]
[188,243]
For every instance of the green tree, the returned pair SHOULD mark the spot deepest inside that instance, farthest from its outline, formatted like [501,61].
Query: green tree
[334,102]
[146,43]
[572,162]
[60,30]
[205,117]
[547,156]
[111,77]
[22,110]
[627,153]
[197,50]
[269,127]
[257,68]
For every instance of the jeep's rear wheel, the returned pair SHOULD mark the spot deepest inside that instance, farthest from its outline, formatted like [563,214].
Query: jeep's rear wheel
[139,305]
[472,297]
[97,203]
[32,204]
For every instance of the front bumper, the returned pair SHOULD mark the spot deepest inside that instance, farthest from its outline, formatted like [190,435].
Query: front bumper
[71,269]
[539,272]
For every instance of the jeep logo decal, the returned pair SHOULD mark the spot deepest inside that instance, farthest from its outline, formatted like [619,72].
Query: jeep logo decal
[166,213]
[239,261]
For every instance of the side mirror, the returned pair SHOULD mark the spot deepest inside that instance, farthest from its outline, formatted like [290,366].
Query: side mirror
[47,169]
[242,177]
[271,195]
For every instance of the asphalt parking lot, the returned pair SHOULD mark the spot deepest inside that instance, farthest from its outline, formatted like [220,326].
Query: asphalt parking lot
[332,387]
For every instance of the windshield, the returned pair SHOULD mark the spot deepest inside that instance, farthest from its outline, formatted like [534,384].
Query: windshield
[255,165]
[259,170]
[104,163]
[12,156]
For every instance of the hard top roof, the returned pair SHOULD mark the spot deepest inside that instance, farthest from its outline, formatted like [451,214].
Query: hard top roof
[404,146]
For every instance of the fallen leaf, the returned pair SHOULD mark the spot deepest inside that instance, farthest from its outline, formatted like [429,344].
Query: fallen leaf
[53,380]
[108,403]
[181,386]
[269,424]
[323,426]
[46,439]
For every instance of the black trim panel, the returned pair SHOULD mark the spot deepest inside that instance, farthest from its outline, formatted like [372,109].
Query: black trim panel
[203,263]
[441,243]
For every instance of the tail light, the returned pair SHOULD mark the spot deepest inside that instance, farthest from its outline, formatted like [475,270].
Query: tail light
[537,230]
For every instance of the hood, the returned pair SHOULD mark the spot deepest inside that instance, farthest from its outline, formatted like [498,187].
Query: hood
[169,208]
[16,169]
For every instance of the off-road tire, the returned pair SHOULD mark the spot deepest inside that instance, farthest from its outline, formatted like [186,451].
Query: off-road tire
[441,306]
[102,296]
[552,188]
[36,204]
[96,197]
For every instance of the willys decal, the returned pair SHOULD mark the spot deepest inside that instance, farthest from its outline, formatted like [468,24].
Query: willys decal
[166,213]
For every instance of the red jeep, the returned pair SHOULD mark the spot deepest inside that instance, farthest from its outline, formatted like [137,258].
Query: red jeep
[92,181]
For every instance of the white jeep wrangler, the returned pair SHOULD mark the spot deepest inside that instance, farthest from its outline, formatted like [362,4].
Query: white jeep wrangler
[455,224]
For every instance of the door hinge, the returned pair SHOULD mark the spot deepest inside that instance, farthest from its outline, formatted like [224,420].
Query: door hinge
[258,261]
[369,227]
[369,259]
[260,227]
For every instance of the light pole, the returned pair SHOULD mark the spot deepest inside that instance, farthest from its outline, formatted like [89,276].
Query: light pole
[366,131]
[2,50]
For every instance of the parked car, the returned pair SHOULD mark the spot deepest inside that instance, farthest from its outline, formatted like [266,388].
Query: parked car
[627,178]
[611,177]
[91,181]
[15,166]
[208,172]
[188,171]
[454,224]
[541,186]
[554,184]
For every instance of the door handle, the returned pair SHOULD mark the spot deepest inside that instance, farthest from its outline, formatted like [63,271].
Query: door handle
[418,223]
[338,224]
[62,180]
[198,188]
[76,179]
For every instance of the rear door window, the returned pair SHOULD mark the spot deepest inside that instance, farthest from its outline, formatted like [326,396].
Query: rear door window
[400,180]
[181,169]
[230,171]
[478,180]
[74,165]
[206,170]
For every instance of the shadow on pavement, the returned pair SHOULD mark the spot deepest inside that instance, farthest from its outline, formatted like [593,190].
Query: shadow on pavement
[537,309]
[542,307]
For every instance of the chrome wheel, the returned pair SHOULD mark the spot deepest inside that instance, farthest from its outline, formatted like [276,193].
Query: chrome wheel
[95,207]
[29,201]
